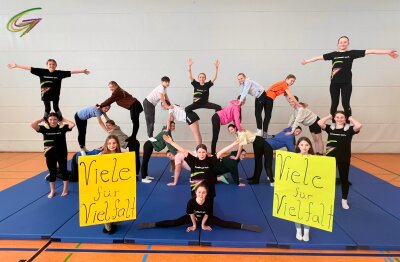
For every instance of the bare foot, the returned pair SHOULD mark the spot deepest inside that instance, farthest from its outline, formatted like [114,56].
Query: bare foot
[51,194]
[64,193]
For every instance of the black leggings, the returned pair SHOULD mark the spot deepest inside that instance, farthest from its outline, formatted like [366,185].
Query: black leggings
[51,161]
[262,149]
[147,151]
[81,125]
[134,146]
[346,90]
[266,103]
[47,107]
[344,177]
[136,109]
[216,126]
[212,220]
[206,105]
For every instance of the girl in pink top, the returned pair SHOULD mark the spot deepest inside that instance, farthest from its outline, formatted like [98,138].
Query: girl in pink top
[223,117]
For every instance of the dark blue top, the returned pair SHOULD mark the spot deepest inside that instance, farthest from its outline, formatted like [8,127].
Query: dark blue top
[282,140]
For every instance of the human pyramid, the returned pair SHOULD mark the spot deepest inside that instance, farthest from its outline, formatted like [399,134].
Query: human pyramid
[206,169]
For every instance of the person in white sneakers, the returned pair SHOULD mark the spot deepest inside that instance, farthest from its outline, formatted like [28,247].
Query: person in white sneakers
[303,147]
[340,135]
[158,145]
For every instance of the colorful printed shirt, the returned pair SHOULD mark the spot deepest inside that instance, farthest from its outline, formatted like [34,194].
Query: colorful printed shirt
[341,65]
[54,140]
[339,143]
[50,82]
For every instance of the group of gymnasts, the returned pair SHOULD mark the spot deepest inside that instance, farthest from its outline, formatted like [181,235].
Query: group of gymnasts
[206,169]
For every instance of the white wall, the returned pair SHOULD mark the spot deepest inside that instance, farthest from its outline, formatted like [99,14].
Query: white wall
[137,42]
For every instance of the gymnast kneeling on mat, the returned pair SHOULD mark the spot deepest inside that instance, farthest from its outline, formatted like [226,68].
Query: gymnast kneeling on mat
[199,209]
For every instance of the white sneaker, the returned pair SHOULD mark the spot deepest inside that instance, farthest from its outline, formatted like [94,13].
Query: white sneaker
[150,177]
[271,184]
[152,139]
[146,181]
[345,205]
[299,236]
[259,132]
[83,153]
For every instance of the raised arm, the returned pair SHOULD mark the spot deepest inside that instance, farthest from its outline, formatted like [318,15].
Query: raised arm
[35,124]
[170,118]
[101,123]
[190,74]
[227,148]
[216,64]
[84,71]
[169,140]
[356,125]
[323,120]
[290,96]
[69,123]
[12,66]
[391,53]
[106,116]
[317,58]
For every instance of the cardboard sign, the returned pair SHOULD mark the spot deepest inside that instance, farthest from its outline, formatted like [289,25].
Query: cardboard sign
[107,188]
[305,189]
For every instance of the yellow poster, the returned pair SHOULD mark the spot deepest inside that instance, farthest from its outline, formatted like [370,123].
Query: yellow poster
[305,189]
[107,188]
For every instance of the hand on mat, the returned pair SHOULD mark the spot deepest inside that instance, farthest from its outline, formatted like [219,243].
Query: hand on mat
[190,229]
[204,227]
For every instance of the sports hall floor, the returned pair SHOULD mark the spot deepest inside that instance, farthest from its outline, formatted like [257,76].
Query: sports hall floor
[17,167]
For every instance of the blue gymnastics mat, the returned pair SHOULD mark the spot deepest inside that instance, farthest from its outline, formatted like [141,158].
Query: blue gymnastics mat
[378,191]
[72,232]
[21,195]
[367,224]
[41,218]
[285,231]
[238,204]
[164,203]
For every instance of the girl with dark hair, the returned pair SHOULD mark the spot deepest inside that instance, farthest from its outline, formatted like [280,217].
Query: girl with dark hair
[340,135]
[50,83]
[341,75]
[303,115]
[127,101]
[202,89]
[202,166]
[223,117]
[199,210]
[177,113]
[55,149]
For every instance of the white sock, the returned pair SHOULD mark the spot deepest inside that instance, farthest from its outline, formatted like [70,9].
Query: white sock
[298,234]
[344,204]
[259,132]
[271,184]
[306,236]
